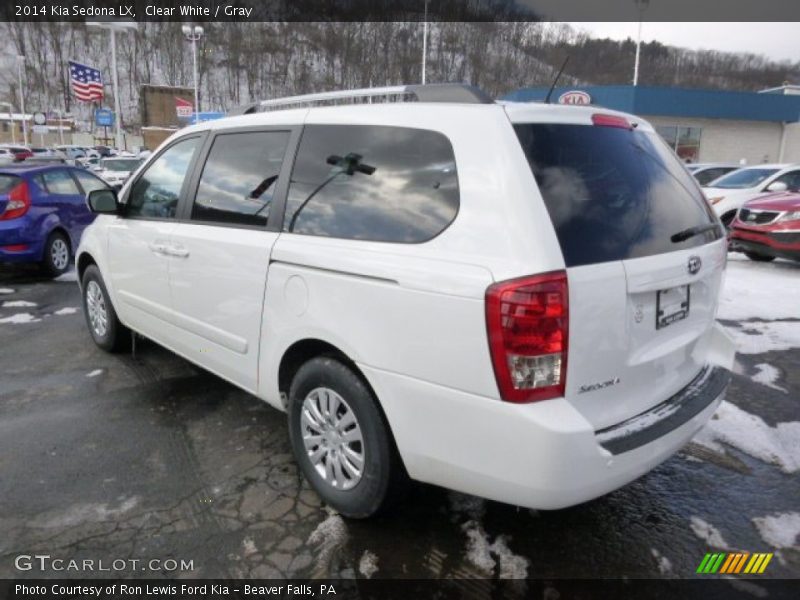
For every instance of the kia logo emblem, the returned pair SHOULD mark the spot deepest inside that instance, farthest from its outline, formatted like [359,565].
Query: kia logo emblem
[694,265]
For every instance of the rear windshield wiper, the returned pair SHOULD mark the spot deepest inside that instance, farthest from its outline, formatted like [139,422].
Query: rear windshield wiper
[685,234]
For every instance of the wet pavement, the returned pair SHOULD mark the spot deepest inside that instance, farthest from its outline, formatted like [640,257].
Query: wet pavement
[148,457]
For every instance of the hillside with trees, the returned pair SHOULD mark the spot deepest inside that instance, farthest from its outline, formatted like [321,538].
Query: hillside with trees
[239,62]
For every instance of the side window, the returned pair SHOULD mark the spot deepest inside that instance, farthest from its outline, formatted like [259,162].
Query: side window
[156,192]
[791,179]
[389,184]
[88,182]
[239,178]
[60,182]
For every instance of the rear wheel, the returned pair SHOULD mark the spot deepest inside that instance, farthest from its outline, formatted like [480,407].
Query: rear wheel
[759,257]
[105,328]
[56,254]
[340,439]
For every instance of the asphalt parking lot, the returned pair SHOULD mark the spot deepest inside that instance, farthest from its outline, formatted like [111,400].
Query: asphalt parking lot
[123,457]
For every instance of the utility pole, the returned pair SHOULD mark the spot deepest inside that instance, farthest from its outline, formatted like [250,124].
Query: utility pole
[424,42]
[20,62]
[193,34]
[641,5]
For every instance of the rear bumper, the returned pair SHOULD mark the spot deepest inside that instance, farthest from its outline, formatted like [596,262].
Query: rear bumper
[542,455]
[20,232]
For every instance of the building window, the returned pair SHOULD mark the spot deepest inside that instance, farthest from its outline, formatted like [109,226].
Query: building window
[685,141]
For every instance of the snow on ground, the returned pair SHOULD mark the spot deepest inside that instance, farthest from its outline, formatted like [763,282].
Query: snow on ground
[18,304]
[20,318]
[368,565]
[664,564]
[6,291]
[769,336]
[512,566]
[780,530]
[708,533]
[779,445]
[760,291]
[249,546]
[767,375]
[68,276]
[329,535]
[486,556]
[94,373]
[67,310]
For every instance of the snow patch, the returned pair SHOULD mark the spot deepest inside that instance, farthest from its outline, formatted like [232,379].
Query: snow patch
[486,556]
[18,304]
[68,276]
[770,336]
[67,310]
[664,564]
[329,535]
[249,546]
[368,565]
[757,291]
[94,373]
[779,445]
[6,291]
[767,375]
[20,318]
[779,531]
[708,533]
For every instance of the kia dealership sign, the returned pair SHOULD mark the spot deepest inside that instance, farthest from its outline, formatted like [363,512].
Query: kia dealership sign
[575,97]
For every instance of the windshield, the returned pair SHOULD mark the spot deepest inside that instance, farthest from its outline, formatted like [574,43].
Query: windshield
[121,164]
[613,193]
[744,178]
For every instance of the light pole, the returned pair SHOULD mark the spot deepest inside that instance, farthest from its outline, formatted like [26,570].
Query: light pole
[193,34]
[20,62]
[113,27]
[641,5]
[11,118]
[424,42]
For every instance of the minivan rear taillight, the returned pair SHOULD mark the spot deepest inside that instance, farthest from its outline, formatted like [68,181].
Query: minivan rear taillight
[527,322]
[19,201]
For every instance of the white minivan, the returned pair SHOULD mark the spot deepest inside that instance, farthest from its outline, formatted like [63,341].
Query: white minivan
[515,301]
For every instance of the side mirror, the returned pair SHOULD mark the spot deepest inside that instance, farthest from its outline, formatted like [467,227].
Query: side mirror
[103,201]
[777,186]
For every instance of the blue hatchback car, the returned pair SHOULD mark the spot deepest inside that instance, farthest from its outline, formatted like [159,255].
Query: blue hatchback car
[43,213]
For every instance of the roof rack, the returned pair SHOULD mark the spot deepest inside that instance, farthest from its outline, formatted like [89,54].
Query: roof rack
[436,92]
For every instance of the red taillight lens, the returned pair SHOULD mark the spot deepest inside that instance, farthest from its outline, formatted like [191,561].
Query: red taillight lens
[611,121]
[19,201]
[527,322]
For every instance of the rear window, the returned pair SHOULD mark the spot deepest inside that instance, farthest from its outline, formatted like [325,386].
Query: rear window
[7,182]
[613,193]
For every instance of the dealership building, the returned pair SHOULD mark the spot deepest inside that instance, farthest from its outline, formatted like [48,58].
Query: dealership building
[701,125]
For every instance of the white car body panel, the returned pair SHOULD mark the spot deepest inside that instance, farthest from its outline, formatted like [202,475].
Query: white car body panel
[412,316]
[726,200]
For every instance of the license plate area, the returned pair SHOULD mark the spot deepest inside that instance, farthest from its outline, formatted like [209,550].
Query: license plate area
[672,305]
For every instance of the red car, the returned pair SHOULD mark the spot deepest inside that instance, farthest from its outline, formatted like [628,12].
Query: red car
[768,228]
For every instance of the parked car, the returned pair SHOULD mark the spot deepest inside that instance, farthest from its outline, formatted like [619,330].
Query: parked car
[7,156]
[116,170]
[705,173]
[105,151]
[71,151]
[730,192]
[43,212]
[768,228]
[19,152]
[515,301]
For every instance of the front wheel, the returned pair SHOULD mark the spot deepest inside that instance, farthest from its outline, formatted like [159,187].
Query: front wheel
[105,328]
[759,257]
[340,439]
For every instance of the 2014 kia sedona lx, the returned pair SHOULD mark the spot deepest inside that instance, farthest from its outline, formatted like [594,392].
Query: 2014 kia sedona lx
[515,301]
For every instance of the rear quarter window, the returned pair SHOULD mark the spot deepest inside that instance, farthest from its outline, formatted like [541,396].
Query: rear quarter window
[388,184]
[7,182]
[613,193]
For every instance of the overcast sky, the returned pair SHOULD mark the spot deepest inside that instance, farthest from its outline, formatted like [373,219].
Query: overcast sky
[776,40]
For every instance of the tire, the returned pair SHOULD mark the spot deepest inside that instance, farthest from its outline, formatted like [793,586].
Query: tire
[326,383]
[56,257]
[759,257]
[104,326]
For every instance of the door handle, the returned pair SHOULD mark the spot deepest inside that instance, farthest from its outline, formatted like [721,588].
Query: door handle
[158,248]
[177,251]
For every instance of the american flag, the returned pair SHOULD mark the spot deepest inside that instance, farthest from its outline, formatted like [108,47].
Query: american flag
[87,83]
